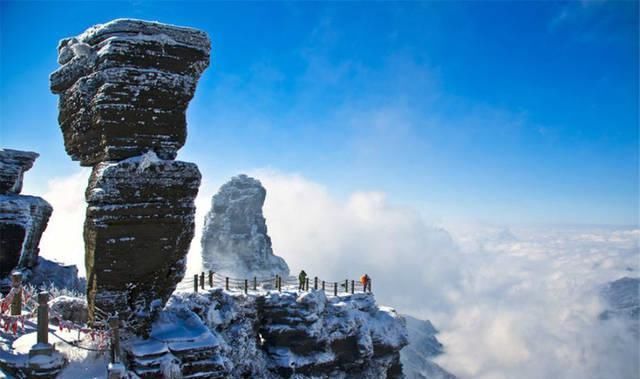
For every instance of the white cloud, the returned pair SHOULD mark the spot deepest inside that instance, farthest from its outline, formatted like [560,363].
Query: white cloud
[530,304]
[412,265]
[519,302]
[510,302]
[62,240]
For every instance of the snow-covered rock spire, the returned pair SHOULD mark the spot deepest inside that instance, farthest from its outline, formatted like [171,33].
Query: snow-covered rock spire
[234,238]
[124,89]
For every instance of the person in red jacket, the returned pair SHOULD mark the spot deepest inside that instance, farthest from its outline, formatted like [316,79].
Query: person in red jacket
[366,282]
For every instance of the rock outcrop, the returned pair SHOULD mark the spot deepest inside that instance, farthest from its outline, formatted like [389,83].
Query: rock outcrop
[272,335]
[417,357]
[13,164]
[124,88]
[234,238]
[142,205]
[53,274]
[23,219]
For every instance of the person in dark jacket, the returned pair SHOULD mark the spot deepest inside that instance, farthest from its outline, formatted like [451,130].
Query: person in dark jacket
[302,277]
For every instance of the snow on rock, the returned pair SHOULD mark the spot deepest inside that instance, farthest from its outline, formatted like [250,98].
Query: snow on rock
[139,225]
[423,346]
[13,164]
[124,88]
[234,238]
[23,219]
[52,274]
[180,345]
[275,335]
[70,309]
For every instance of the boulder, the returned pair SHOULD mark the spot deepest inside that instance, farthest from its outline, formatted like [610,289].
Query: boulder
[68,308]
[13,164]
[234,238]
[23,219]
[139,225]
[124,88]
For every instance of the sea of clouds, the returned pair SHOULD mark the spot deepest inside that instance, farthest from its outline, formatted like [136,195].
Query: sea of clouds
[511,302]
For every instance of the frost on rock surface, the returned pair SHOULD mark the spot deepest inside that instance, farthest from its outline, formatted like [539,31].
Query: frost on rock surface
[23,219]
[234,238]
[13,164]
[423,346]
[139,225]
[124,88]
[47,273]
[273,335]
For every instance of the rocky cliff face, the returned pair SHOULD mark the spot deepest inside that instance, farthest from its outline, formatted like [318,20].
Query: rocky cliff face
[423,346]
[272,335]
[234,238]
[23,219]
[124,88]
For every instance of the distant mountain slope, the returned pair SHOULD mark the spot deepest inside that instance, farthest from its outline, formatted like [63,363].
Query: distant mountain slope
[423,346]
[623,298]
[623,302]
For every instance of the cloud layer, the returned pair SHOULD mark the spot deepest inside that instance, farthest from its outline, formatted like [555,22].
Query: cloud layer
[510,302]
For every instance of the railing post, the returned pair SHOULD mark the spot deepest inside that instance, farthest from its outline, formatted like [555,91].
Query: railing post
[246,286]
[315,283]
[353,287]
[307,284]
[346,285]
[43,317]
[114,325]
[255,283]
[226,283]
[280,283]
[276,280]
[369,284]
[202,280]
[42,357]
[335,289]
[116,371]
[16,302]
[195,283]
[210,278]
[323,285]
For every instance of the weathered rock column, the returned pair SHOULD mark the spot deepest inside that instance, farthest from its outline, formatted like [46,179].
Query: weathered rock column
[235,239]
[124,88]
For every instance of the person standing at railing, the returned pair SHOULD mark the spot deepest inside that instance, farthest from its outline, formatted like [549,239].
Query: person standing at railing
[302,277]
[366,282]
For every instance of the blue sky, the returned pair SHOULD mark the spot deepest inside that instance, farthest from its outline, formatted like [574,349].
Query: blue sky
[508,112]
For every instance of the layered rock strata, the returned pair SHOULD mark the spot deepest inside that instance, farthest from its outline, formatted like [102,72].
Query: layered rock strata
[13,165]
[23,219]
[139,225]
[273,335]
[124,88]
[234,238]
